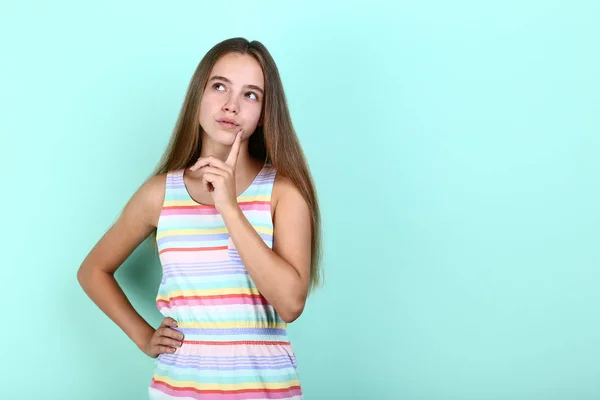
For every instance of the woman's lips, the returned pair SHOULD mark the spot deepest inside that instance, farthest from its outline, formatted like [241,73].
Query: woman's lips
[227,125]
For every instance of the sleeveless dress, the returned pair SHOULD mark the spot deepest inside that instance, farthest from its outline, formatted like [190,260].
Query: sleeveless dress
[235,343]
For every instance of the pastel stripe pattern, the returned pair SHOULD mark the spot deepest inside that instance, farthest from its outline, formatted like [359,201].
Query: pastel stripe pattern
[236,344]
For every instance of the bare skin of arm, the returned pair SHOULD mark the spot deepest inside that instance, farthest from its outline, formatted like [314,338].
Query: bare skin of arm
[282,275]
[96,273]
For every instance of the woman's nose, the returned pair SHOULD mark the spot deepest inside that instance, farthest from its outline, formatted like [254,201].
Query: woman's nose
[231,105]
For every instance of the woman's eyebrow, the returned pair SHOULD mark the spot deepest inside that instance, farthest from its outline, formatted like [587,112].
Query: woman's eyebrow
[258,89]
[222,78]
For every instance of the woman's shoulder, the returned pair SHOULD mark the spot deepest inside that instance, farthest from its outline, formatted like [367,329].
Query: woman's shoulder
[155,184]
[149,197]
[285,190]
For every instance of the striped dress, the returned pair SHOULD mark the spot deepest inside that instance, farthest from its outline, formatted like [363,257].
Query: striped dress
[236,344]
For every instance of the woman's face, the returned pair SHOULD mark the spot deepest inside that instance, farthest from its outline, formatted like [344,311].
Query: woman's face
[233,98]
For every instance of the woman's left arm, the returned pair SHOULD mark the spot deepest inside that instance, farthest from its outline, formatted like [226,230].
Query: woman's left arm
[281,274]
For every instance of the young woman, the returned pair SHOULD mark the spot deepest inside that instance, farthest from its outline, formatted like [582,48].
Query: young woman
[234,212]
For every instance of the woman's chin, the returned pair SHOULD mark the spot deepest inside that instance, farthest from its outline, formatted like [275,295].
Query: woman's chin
[223,137]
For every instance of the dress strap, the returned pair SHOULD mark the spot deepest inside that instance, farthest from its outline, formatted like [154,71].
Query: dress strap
[262,187]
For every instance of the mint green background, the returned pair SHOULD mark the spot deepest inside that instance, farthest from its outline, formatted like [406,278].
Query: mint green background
[455,145]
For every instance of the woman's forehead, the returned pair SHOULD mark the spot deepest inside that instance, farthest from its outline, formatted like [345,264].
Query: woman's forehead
[239,69]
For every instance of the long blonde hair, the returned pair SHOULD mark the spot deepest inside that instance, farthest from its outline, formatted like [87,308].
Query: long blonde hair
[274,142]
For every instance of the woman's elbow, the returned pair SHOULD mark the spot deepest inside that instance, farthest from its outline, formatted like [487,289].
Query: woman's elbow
[81,275]
[292,312]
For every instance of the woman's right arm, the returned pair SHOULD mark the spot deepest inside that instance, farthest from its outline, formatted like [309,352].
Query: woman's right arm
[137,221]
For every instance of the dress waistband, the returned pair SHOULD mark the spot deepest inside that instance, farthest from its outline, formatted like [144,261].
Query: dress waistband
[232,325]
[233,335]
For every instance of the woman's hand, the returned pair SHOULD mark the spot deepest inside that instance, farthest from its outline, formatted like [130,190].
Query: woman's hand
[218,177]
[164,340]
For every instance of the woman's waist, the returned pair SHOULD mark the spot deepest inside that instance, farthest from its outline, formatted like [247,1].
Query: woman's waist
[233,332]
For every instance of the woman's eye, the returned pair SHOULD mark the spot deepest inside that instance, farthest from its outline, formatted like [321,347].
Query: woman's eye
[217,85]
[253,94]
